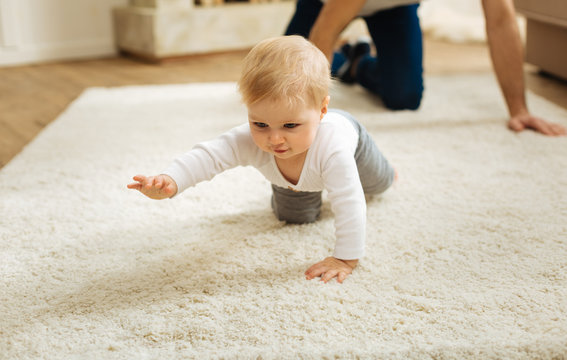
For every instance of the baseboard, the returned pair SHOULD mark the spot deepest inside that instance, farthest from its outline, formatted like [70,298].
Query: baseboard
[71,50]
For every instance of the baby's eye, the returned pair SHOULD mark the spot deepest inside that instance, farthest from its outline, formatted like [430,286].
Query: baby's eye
[290,125]
[260,124]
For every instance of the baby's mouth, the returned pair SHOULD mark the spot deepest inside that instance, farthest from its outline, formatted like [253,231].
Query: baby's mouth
[280,151]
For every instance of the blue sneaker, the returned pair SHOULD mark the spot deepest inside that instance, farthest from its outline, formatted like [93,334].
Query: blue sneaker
[360,49]
[339,58]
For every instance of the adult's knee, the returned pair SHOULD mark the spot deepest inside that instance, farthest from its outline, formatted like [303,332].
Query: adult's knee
[399,87]
[402,99]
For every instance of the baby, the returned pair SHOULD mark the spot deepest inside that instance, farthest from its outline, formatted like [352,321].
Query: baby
[298,144]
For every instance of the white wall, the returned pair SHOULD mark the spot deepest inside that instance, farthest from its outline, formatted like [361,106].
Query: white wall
[46,30]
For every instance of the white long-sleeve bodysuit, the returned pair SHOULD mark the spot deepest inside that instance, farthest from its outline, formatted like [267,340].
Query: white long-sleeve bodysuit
[329,164]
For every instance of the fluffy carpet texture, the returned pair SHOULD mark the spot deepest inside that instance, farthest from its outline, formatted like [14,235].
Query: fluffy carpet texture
[466,253]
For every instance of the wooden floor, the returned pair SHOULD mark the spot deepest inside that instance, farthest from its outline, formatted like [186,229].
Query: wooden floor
[33,96]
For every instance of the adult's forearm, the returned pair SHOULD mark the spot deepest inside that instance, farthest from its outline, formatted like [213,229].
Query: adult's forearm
[506,51]
[332,20]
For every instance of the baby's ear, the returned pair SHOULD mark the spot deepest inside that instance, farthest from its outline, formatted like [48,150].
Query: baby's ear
[325,105]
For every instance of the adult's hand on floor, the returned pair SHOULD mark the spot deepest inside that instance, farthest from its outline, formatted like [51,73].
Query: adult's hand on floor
[330,268]
[527,121]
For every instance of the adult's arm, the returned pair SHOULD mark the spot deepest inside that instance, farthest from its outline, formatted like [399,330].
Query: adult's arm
[332,20]
[507,55]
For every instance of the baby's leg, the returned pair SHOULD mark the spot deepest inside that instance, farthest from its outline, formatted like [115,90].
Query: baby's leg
[295,207]
[376,174]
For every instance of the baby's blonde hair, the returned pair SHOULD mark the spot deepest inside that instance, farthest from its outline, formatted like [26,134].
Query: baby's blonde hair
[288,68]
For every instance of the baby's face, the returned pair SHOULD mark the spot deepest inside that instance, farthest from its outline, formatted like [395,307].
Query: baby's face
[283,130]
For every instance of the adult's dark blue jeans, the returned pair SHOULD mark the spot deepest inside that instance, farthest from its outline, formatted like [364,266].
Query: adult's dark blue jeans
[396,73]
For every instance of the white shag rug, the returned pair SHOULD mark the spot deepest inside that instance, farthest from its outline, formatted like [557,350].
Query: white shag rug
[466,254]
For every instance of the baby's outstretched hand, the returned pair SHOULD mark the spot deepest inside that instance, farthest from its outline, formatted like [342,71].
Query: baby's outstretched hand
[155,187]
[331,267]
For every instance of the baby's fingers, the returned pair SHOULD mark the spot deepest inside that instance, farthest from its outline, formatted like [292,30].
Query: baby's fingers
[149,183]
[329,275]
[135,186]
[558,130]
[139,178]
[159,182]
[314,271]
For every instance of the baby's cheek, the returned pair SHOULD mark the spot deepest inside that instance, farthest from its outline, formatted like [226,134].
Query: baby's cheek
[257,140]
[311,138]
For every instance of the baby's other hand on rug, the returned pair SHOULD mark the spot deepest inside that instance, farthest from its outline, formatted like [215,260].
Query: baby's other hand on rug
[155,187]
[331,267]
[527,121]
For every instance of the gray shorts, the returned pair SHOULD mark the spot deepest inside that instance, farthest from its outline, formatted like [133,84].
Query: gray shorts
[376,175]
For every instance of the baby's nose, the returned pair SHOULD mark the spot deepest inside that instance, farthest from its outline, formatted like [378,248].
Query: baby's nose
[276,138]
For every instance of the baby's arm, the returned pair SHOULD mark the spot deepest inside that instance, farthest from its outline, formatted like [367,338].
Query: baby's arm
[331,267]
[345,193]
[155,187]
